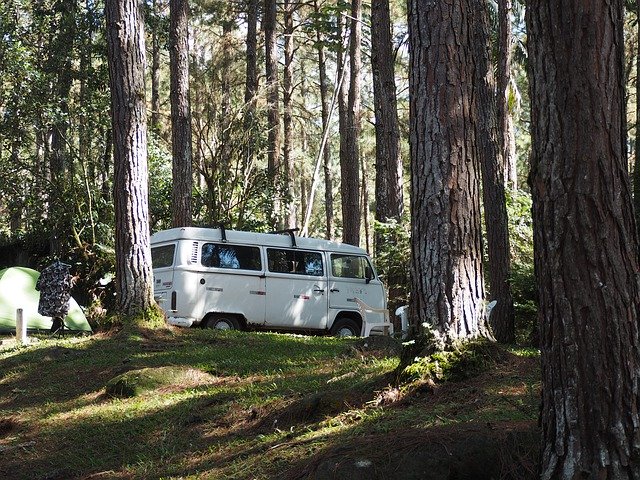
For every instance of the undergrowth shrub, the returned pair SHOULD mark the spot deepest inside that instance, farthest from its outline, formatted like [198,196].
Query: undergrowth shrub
[523,282]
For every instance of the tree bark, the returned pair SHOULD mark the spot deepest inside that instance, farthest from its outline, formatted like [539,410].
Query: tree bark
[343,90]
[180,113]
[636,163]
[389,198]
[251,82]
[585,241]
[289,49]
[350,161]
[505,122]
[155,73]
[273,104]
[446,275]
[490,156]
[324,97]
[126,58]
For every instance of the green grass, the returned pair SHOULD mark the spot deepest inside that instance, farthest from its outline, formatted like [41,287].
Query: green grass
[250,405]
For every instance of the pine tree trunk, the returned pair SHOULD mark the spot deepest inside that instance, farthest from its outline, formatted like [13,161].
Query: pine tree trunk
[155,74]
[343,90]
[493,189]
[505,124]
[251,82]
[180,114]
[350,162]
[585,241]
[636,163]
[389,199]
[126,56]
[273,105]
[324,96]
[290,204]
[61,163]
[446,276]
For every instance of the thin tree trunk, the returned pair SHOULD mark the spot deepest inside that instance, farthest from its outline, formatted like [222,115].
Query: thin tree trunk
[505,123]
[585,241]
[324,97]
[61,163]
[251,82]
[446,275]
[493,188]
[155,73]
[273,106]
[127,63]
[290,204]
[180,114]
[350,162]
[343,90]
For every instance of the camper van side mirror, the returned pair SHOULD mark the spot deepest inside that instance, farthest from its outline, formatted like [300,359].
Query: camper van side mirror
[368,273]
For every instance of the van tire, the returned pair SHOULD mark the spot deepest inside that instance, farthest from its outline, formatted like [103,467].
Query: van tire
[345,327]
[221,321]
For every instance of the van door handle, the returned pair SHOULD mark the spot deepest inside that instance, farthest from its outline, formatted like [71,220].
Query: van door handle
[318,290]
[334,290]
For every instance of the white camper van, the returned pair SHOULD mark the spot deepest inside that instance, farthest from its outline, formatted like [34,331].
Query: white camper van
[228,279]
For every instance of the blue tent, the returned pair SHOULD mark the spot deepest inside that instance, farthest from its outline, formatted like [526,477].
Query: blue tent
[18,290]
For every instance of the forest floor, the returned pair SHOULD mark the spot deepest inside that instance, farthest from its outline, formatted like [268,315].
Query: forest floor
[235,405]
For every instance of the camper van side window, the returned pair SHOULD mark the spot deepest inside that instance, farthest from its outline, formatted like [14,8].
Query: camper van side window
[295,261]
[348,266]
[162,256]
[230,256]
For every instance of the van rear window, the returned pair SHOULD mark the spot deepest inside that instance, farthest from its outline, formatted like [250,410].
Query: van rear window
[238,257]
[295,261]
[162,256]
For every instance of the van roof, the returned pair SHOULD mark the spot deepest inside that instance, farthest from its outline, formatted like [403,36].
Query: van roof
[251,238]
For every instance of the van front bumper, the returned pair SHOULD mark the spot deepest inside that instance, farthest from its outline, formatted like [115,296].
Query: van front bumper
[180,321]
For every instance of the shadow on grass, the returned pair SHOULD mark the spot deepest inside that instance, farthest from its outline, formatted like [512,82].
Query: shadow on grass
[274,414]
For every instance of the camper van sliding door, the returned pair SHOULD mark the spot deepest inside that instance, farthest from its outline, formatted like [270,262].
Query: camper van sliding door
[296,289]
[233,280]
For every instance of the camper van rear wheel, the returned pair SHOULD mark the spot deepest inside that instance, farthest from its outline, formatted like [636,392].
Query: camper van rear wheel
[345,327]
[222,322]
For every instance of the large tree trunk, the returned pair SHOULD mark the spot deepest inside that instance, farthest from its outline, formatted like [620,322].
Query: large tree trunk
[446,276]
[180,114]
[636,162]
[126,56]
[493,189]
[273,107]
[585,241]
[389,200]
[350,162]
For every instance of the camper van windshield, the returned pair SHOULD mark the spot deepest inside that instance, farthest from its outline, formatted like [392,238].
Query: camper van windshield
[348,266]
[230,256]
[162,256]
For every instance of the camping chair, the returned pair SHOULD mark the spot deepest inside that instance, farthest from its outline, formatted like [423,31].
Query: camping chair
[368,321]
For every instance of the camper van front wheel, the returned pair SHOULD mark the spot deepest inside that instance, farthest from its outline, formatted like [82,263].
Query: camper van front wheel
[345,327]
[222,322]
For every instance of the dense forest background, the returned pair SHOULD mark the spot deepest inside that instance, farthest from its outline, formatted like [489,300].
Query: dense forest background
[56,155]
